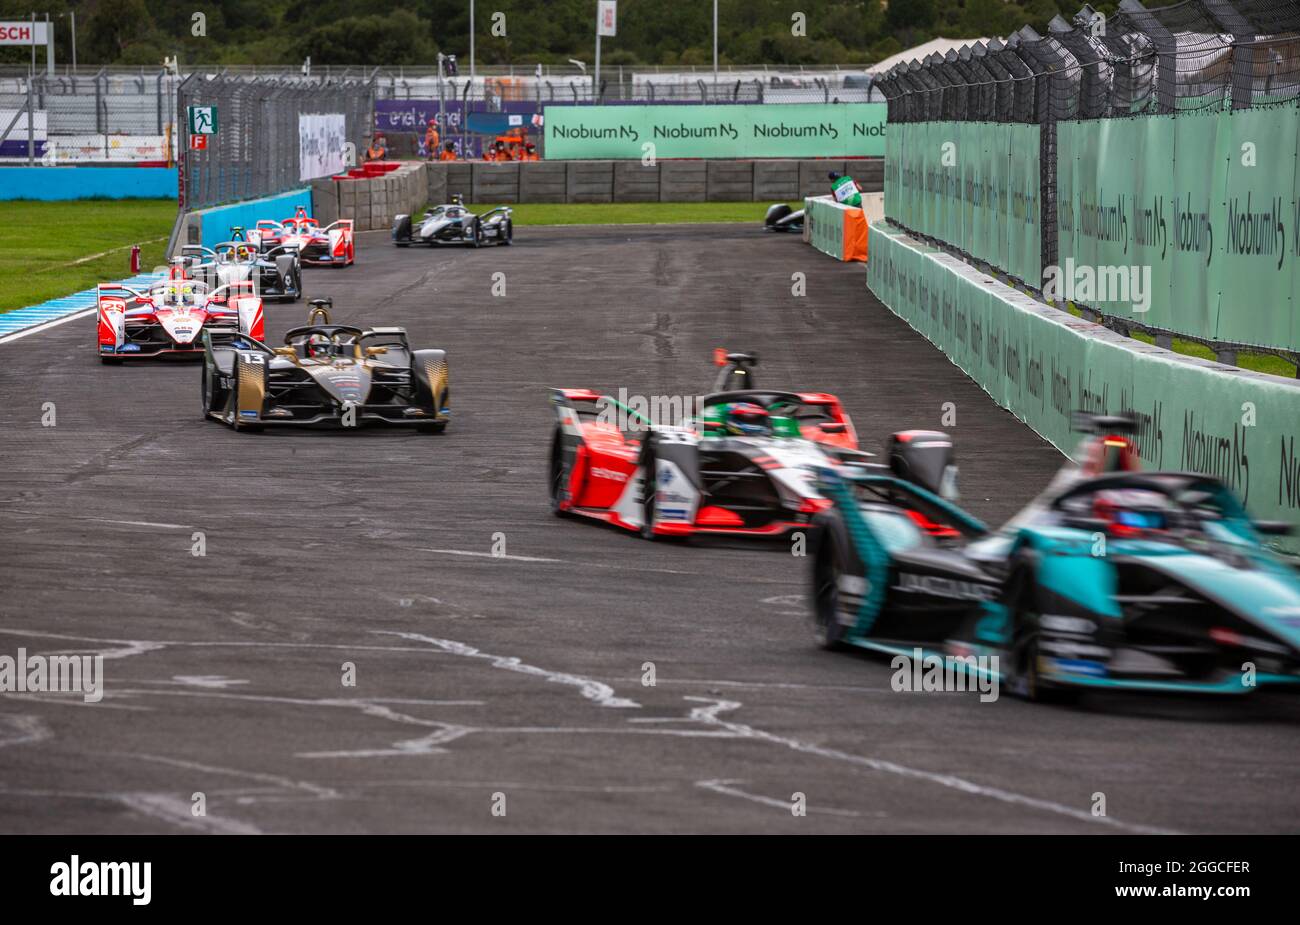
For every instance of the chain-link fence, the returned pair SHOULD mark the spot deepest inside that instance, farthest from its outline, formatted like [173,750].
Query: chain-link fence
[129,115]
[88,116]
[246,137]
[625,84]
[1195,55]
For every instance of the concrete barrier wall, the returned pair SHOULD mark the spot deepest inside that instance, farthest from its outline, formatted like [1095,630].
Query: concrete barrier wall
[1042,364]
[372,203]
[210,227]
[483,182]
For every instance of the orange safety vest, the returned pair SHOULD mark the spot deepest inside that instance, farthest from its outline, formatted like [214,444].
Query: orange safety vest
[447,155]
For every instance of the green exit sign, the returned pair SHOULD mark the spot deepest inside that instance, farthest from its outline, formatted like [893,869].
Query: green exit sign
[203,120]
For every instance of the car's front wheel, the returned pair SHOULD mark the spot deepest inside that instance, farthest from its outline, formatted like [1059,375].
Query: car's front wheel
[827,573]
[558,477]
[1025,658]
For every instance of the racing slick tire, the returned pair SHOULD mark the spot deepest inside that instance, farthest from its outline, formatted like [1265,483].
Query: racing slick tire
[476,236]
[205,391]
[110,361]
[558,475]
[432,427]
[649,488]
[507,233]
[826,592]
[1025,672]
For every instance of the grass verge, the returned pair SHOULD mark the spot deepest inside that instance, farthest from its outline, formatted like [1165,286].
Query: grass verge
[1256,362]
[51,249]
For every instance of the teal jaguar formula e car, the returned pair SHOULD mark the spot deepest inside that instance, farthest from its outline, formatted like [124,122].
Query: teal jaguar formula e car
[1112,578]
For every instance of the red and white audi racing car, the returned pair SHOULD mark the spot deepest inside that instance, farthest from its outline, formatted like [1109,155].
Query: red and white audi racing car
[167,318]
[744,460]
[331,246]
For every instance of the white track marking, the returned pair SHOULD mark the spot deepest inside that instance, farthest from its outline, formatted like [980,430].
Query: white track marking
[585,565]
[141,646]
[710,714]
[317,791]
[488,555]
[116,250]
[140,523]
[429,744]
[46,325]
[724,787]
[170,808]
[23,729]
[758,685]
[590,688]
[217,681]
[164,806]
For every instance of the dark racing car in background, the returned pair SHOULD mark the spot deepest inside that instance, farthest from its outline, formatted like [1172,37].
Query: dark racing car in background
[276,271]
[780,217]
[1112,578]
[325,374]
[452,223]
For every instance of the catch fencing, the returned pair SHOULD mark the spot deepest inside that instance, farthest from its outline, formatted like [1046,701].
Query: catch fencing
[1166,142]
[88,116]
[270,134]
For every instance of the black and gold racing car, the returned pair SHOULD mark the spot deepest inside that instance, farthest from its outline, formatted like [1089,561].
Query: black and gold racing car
[328,375]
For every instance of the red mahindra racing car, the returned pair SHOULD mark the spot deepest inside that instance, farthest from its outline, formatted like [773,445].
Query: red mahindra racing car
[332,245]
[167,319]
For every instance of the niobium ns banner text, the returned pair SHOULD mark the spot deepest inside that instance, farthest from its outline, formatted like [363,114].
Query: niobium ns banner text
[741,130]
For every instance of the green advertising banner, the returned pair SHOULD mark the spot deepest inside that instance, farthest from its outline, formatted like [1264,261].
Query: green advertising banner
[1189,223]
[1042,364]
[753,130]
[973,185]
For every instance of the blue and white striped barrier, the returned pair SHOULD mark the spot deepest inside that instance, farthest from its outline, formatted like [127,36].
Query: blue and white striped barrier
[22,321]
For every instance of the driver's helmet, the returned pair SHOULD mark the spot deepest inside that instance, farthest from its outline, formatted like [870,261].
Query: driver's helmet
[318,346]
[746,419]
[243,253]
[1132,511]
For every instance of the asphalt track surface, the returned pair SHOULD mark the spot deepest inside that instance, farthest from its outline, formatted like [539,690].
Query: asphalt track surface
[522,675]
